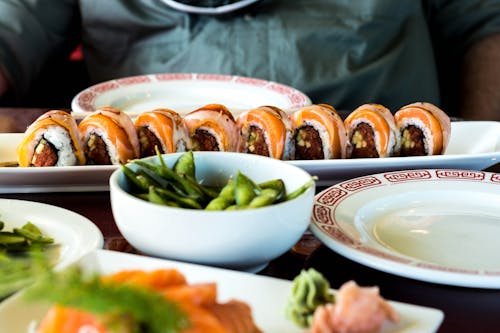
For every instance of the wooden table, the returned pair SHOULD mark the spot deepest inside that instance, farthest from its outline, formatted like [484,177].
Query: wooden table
[466,309]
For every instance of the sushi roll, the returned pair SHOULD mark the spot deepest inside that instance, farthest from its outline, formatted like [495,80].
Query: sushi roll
[51,140]
[424,129]
[372,132]
[212,128]
[319,133]
[265,131]
[162,128]
[109,137]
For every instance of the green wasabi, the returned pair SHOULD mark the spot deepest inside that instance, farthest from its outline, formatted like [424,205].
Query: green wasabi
[310,289]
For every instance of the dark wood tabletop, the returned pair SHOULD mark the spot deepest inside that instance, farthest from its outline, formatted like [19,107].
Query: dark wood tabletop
[465,309]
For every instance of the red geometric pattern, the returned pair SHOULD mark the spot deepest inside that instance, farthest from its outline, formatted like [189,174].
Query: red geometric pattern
[359,183]
[173,76]
[322,214]
[86,100]
[105,86]
[331,196]
[133,80]
[402,176]
[251,81]
[215,77]
[495,178]
[460,174]
[338,235]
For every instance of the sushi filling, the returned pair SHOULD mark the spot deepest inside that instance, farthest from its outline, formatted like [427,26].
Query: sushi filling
[54,148]
[96,150]
[308,144]
[363,142]
[412,142]
[148,141]
[203,140]
[256,143]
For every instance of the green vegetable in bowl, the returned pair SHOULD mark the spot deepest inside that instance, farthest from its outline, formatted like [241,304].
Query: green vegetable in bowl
[178,187]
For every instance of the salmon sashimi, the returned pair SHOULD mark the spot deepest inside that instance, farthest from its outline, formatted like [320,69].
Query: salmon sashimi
[265,131]
[424,129]
[319,133]
[156,279]
[51,140]
[162,128]
[60,319]
[109,137]
[356,310]
[199,293]
[235,316]
[197,301]
[212,128]
[371,130]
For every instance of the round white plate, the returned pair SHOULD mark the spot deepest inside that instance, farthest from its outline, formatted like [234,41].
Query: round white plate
[184,92]
[435,225]
[75,234]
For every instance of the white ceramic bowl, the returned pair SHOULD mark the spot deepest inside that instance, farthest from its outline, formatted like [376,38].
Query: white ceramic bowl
[243,239]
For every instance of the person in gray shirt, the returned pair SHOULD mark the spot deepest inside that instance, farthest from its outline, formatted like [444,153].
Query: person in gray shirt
[341,52]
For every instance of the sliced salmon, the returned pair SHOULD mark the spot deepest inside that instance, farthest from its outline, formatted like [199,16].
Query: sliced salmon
[212,127]
[265,131]
[319,133]
[167,128]
[372,132]
[424,129]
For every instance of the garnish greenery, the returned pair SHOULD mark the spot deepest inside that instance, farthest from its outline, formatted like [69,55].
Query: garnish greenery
[140,309]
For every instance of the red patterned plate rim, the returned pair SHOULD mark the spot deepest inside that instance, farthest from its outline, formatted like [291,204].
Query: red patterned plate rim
[327,228]
[85,100]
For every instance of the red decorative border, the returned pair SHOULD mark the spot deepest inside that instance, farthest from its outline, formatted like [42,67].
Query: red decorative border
[322,215]
[337,234]
[133,80]
[360,183]
[173,76]
[495,178]
[460,174]
[331,196]
[403,176]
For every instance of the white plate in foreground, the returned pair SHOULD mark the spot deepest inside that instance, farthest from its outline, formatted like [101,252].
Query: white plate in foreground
[184,92]
[266,296]
[75,234]
[433,225]
[474,145]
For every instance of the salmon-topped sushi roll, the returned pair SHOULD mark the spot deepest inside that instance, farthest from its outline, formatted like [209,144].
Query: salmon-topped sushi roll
[319,133]
[212,128]
[51,140]
[424,129]
[109,137]
[372,132]
[162,128]
[265,131]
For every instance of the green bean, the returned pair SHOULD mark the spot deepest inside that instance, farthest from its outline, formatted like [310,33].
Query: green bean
[165,172]
[225,197]
[182,201]
[267,197]
[300,190]
[276,184]
[155,197]
[32,233]
[184,166]
[132,177]
[245,189]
